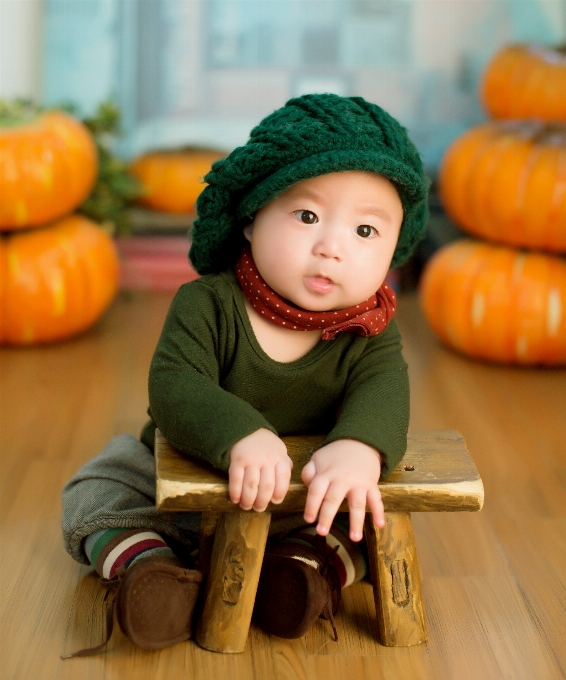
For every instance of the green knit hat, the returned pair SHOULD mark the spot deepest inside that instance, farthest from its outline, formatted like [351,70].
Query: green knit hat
[310,136]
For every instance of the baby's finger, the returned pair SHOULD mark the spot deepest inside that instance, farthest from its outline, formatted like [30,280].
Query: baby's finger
[282,479]
[265,488]
[308,472]
[328,509]
[376,506]
[315,496]
[249,488]
[235,482]
[357,507]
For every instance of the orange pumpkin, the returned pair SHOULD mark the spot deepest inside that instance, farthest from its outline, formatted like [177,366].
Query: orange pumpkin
[172,180]
[47,168]
[497,303]
[56,281]
[507,182]
[524,81]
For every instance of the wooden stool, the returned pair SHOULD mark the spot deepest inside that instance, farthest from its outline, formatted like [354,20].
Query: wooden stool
[436,474]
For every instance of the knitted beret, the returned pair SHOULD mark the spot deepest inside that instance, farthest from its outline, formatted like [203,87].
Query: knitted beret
[310,136]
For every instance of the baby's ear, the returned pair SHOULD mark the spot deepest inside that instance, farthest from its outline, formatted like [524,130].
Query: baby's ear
[248,231]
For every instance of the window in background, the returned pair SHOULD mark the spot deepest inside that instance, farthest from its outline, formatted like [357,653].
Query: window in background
[205,71]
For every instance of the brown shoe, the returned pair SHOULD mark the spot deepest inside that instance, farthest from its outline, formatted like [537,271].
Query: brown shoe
[297,585]
[155,602]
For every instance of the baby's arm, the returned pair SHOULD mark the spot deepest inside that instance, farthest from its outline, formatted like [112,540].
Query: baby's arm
[345,468]
[187,400]
[367,441]
[260,470]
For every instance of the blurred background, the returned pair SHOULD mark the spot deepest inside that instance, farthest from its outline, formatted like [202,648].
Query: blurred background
[205,71]
[479,84]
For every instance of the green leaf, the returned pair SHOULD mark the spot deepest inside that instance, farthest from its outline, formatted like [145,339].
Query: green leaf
[115,188]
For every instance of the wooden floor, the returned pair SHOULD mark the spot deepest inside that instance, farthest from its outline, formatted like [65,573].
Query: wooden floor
[494,582]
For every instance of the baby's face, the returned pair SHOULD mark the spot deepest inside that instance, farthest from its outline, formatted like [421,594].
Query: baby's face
[326,243]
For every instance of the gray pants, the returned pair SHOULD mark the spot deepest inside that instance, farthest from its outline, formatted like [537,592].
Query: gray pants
[116,489]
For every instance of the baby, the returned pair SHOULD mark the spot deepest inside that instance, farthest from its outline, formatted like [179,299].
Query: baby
[289,331]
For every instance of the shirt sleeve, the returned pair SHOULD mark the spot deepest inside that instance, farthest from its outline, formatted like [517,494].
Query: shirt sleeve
[185,398]
[375,406]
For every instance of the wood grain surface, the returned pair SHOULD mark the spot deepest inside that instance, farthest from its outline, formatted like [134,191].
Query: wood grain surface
[394,566]
[436,474]
[231,586]
[493,582]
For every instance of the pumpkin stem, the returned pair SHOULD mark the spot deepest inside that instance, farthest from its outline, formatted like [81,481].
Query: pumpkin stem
[539,132]
[551,55]
[553,134]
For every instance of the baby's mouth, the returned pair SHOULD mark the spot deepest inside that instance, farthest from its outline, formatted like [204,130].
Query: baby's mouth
[319,284]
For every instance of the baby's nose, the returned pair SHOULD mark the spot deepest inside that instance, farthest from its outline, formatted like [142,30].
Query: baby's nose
[329,245]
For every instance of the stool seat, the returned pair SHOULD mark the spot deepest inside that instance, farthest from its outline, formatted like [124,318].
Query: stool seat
[437,474]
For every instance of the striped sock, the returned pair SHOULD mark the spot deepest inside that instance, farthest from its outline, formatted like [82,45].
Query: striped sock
[109,549]
[350,559]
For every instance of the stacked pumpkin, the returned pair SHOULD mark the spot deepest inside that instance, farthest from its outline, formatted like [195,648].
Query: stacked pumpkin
[58,270]
[504,298]
[171,181]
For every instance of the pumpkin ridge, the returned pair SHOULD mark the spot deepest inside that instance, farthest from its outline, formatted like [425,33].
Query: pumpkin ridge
[526,81]
[480,182]
[556,324]
[467,273]
[495,303]
[454,195]
[558,202]
[531,161]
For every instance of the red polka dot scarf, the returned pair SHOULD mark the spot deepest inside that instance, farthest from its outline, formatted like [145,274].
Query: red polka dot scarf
[366,319]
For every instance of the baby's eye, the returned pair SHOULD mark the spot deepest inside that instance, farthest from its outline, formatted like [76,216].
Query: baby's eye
[366,231]
[306,216]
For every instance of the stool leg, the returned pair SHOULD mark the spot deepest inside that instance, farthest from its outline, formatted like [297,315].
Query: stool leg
[208,524]
[231,585]
[396,580]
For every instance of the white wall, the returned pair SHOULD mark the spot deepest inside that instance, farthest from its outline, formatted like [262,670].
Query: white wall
[21,48]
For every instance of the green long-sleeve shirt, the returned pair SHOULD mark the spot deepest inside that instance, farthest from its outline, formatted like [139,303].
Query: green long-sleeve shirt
[211,384]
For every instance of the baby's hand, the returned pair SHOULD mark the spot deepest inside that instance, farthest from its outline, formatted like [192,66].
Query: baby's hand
[260,470]
[342,469]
